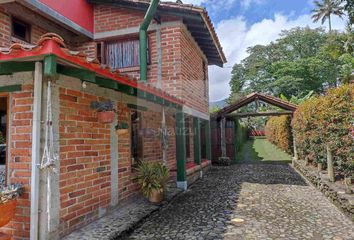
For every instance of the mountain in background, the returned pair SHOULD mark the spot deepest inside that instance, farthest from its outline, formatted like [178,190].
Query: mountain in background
[220,104]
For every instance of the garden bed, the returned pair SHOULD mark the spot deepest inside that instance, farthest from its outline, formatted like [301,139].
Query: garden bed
[334,191]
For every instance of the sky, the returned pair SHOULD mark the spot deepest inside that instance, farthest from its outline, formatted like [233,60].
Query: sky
[244,23]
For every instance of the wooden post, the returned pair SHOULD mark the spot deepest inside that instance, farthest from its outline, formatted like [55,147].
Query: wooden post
[208,140]
[296,157]
[223,137]
[330,168]
[181,153]
[196,144]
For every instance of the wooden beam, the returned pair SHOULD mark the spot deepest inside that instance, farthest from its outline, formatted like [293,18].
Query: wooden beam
[50,66]
[256,114]
[107,83]
[83,74]
[11,88]
[7,68]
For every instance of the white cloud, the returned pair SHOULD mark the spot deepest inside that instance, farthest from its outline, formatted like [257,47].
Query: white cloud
[236,37]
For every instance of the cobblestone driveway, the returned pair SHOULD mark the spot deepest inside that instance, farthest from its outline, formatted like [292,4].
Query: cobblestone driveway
[273,200]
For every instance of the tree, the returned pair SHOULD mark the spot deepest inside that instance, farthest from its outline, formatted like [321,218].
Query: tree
[300,61]
[349,8]
[325,9]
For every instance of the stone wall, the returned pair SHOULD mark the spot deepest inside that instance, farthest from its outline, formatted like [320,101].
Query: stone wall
[345,202]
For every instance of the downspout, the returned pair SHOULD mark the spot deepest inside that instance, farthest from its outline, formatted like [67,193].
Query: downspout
[143,38]
[36,135]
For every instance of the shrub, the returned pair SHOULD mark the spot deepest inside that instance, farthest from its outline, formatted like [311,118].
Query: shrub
[241,136]
[327,120]
[278,132]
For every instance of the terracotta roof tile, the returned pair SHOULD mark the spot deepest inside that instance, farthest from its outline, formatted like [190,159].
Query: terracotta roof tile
[52,43]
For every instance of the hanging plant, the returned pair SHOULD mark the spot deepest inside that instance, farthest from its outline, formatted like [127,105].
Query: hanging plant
[105,111]
[8,202]
[164,136]
[122,128]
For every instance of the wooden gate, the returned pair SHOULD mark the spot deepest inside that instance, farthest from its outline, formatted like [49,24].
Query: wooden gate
[216,139]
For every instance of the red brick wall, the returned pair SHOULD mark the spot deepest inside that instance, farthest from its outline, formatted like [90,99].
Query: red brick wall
[152,149]
[182,59]
[126,187]
[110,18]
[19,163]
[84,161]
[5,31]
[85,157]
[195,90]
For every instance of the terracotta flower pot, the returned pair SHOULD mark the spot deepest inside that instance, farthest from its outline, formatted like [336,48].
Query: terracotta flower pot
[106,117]
[156,196]
[7,212]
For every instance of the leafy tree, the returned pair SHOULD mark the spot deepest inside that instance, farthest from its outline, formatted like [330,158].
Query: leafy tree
[214,109]
[301,60]
[325,9]
[349,8]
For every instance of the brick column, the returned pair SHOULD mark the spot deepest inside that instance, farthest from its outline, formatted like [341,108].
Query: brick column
[181,154]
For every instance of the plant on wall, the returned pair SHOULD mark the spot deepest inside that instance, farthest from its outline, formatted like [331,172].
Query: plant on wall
[105,111]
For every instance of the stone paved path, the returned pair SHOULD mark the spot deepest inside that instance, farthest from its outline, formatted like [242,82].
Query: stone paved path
[272,199]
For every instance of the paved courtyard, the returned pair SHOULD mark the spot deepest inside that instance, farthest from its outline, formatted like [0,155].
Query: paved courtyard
[248,201]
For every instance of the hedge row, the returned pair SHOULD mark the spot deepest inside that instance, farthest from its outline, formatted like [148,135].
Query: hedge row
[241,134]
[278,132]
[327,121]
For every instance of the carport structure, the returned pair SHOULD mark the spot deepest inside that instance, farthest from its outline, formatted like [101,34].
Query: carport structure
[223,121]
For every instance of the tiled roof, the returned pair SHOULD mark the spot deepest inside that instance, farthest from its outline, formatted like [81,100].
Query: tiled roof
[256,96]
[53,44]
[211,45]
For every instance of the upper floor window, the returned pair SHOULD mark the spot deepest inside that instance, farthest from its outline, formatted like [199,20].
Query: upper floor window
[21,30]
[120,54]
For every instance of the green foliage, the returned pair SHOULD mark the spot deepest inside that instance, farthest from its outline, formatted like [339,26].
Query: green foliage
[300,61]
[349,8]
[326,120]
[214,109]
[278,132]
[241,137]
[152,176]
[297,100]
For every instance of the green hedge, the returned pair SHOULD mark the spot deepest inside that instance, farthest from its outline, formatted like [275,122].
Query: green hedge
[278,132]
[241,136]
[327,120]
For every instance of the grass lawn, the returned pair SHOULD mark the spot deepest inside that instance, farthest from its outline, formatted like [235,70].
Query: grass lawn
[261,150]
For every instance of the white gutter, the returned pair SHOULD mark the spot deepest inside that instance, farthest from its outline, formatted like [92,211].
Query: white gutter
[36,127]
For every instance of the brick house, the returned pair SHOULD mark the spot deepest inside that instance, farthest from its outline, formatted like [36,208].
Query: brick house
[69,56]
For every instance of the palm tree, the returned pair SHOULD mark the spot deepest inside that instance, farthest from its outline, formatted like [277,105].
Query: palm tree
[325,9]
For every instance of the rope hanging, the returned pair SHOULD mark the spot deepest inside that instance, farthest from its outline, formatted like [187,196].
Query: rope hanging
[49,158]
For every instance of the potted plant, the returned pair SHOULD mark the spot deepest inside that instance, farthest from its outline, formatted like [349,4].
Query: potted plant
[105,111]
[122,128]
[152,179]
[8,202]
